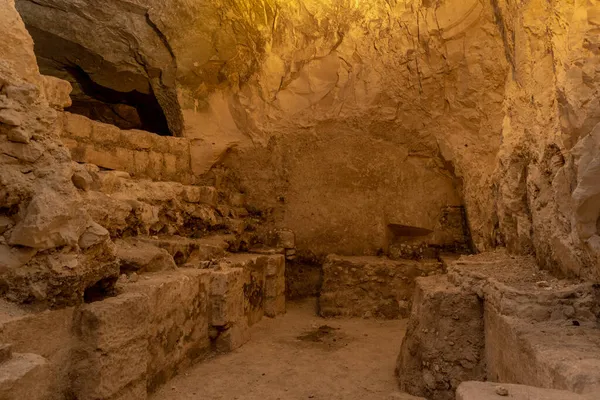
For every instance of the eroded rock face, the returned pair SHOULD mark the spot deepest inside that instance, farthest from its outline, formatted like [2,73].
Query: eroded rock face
[42,211]
[547,198]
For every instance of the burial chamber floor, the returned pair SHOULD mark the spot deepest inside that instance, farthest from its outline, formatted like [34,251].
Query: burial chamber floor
[300,356]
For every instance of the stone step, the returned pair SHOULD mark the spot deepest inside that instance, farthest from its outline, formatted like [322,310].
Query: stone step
[552,354]
[24,376]
[539,330]
[497,391]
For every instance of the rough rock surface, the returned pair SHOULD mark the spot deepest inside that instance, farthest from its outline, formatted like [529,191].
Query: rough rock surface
[491,391]
[43,212]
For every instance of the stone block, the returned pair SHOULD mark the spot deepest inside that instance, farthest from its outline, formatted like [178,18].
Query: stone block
[155,164]
[141,256]
[275,306]
[112,346]
[183,165]
[170,165]
[233,337]
[105,134]
[26,152]
[178,319]
[226,296]
[141,161]
[254,267]
[550,354]
[275,266]
[201,194]
[77,126]
[57,92]
[114,322]
[497,391]
[178,145]
[70,144]
[370,286]
[103,374]
[444,342]
[108,159]
[286,239]
[189,252]
[24,376]
[161,143]
[138,140]
[274,286]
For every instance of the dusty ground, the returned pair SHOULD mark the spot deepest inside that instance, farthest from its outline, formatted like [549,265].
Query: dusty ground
[300,356]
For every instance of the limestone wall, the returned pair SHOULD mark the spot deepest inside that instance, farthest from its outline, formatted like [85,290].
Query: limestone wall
[547,200]
[142,154]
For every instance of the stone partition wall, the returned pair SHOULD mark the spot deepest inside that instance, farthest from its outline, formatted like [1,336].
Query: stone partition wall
[140,153]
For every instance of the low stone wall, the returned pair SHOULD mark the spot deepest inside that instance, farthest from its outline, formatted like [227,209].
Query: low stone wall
[140,153]
[371,286]
[124,347]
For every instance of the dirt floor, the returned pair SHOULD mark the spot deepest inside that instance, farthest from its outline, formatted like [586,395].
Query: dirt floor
[300,356]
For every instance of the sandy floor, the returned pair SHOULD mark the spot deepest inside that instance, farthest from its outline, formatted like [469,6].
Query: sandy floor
[300,356]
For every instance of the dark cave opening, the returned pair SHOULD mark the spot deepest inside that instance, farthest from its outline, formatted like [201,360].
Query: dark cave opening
[127,110]
[101,90]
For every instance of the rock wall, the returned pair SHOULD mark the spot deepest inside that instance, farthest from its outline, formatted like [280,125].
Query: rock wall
[339,117]
[42,258]
[547,173]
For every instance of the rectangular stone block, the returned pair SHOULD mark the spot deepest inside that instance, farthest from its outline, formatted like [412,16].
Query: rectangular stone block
[178,145]
[113,322]
[170,165]
[274,286]
[138,140]
[201,194]
[155,164]
[233,337]
[77,126]
[111,350]
[161,143]
[275,306]
[141,161]
[107,159]
[70,144]
[226,296]
[178,319]
[108,135]
[275,266]
[103,374]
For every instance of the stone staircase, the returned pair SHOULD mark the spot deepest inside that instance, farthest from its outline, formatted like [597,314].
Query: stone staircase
[182,286]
